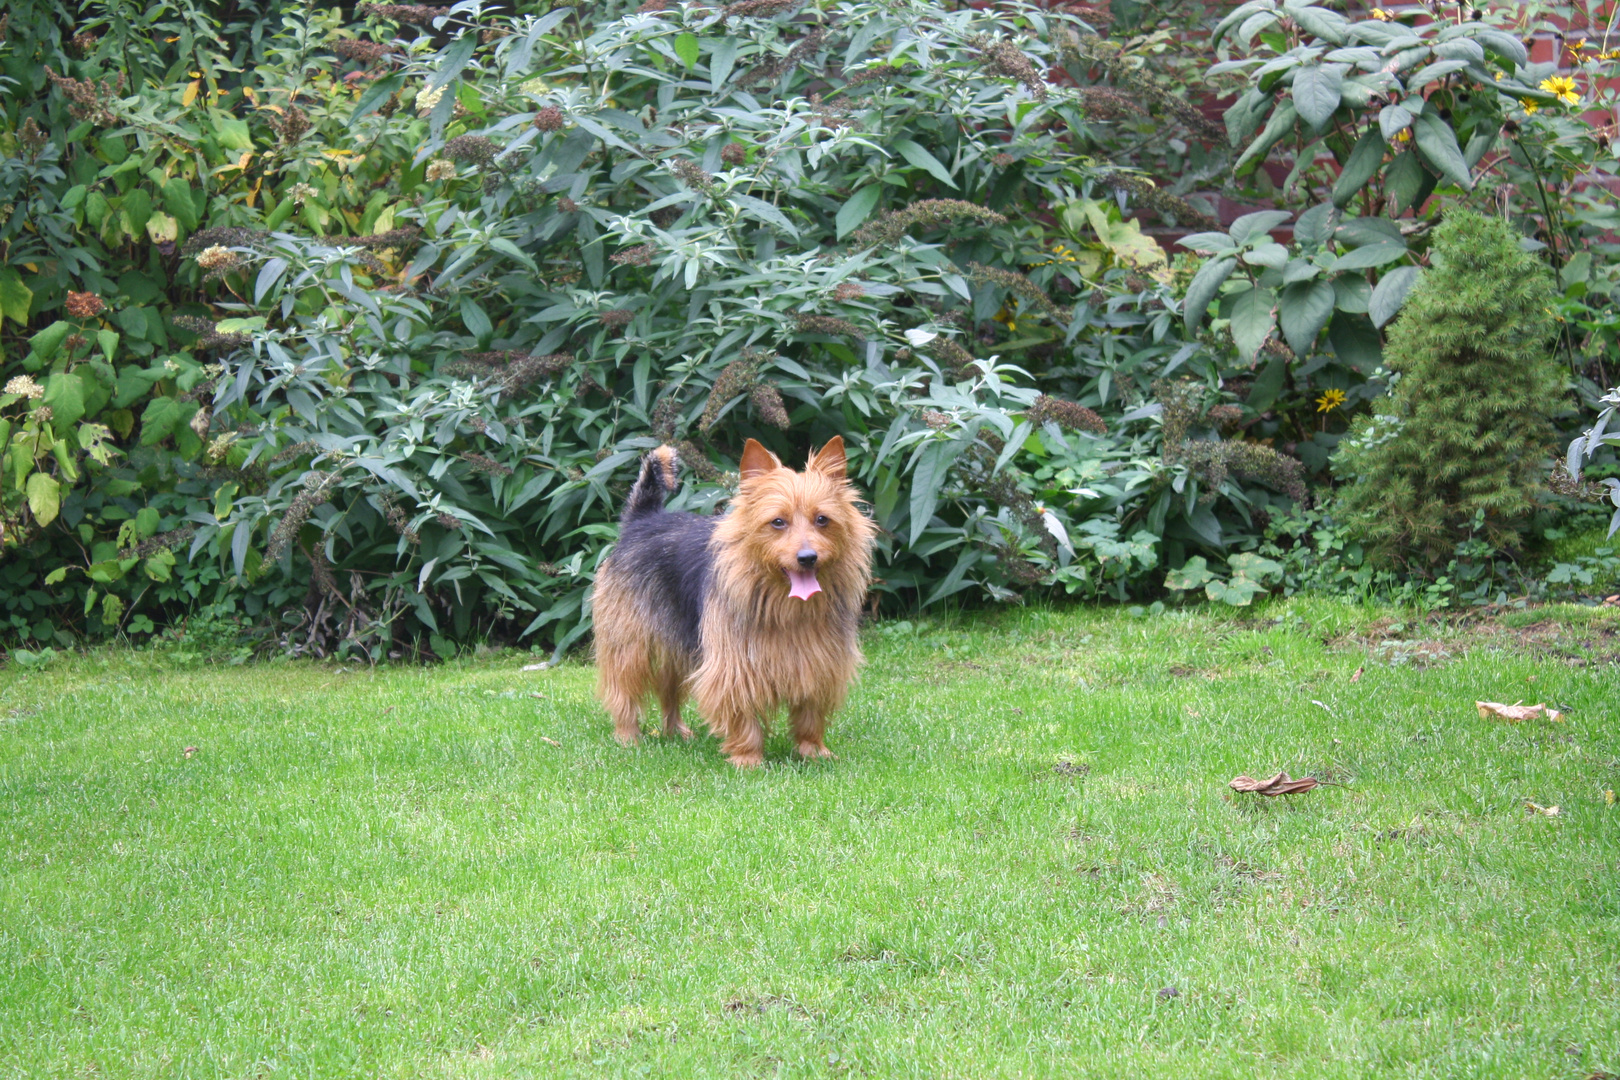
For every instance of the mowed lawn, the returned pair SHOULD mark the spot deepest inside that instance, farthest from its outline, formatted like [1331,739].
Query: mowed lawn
[1026,863]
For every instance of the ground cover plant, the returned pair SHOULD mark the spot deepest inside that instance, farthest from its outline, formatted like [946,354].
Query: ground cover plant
[1026,863]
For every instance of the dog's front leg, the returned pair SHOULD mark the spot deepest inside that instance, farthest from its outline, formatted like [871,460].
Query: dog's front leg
[809,732]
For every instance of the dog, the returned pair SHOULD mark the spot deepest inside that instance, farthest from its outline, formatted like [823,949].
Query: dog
[747,613]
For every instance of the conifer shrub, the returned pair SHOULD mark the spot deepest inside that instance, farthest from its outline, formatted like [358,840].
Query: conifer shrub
[1458,446]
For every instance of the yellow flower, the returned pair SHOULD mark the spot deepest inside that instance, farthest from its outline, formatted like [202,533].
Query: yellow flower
[1498,76]
[1330,400]
[1563,87]
[1531,108]
[1006,318]
[1403,136]
[1381,15]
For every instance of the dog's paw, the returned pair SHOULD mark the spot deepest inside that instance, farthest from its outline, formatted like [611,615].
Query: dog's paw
[813,751]
[678,728]
[747,761]
[627,736]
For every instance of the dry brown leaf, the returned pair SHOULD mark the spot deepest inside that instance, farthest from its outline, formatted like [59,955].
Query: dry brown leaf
[553,742]
[1544,811]
[1276,785]
[1608,797]
[1514,713]
[1357,676]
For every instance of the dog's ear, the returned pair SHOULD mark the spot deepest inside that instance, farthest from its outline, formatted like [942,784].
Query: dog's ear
[830,458]
[757,461]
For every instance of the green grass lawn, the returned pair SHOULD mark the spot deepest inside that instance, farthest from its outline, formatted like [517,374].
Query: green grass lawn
[1026,863]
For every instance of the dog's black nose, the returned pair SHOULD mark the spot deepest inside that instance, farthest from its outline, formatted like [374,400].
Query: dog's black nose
[807,558]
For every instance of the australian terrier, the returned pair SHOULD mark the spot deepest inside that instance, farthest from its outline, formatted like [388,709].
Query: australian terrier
[747,613]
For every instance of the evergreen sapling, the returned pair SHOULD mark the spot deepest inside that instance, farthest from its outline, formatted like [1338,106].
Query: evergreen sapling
[1464,432]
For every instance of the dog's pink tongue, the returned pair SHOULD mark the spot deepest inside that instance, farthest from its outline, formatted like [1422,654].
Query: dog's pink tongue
[804,584]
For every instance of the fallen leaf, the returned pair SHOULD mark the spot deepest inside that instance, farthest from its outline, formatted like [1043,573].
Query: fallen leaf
[1357,676]
[1515,713]
[1544,811]
[190,750]
[1608,796]
[553,742]
[537,667]
[1276,785]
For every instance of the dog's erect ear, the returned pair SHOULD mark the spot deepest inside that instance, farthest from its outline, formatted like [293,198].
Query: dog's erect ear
[757,461]
[830,458]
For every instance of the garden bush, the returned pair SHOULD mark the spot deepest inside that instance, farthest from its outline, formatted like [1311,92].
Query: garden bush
[345,328]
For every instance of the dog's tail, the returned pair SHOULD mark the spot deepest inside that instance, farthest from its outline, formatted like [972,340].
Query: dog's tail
[658,480]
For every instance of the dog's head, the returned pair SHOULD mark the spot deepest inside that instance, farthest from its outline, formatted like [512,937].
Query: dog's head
[801,528]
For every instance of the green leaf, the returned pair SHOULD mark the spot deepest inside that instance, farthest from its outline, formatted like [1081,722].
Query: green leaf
[1304,309]
[1247,566]
[1267,385]
[177,201]
[146,521]
[45,343]
[232,133]
[1320,22]
[55,576]
[160,418]
[1238,15]
[1316,93]
[1238,592]
[763,211]
[44,497]
[857,209]
[1390,294]
[138,208]
[377,93]
[1207,241]
[108,340]
[922,159]
[1404,181]
[1194,574]
[1392,120]
[1252,320]
[1372,255]
[686,47]
[720,63]
[455,58]
[1317,224]
[1280,124]
[1359,168]
[64,393]
[1205,284]
[223,499]
[1255,226]
[926,480]
[1355,342]
[106,572]
[1267,254]
[15,297]
[1439,146]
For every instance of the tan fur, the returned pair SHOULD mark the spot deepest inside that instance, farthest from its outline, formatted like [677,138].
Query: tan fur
[762,650]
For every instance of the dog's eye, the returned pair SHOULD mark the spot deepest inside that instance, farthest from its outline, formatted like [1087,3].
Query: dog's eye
[821,520]
[778,523]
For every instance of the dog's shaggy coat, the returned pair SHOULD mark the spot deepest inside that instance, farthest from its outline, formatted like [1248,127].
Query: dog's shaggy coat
[750,613]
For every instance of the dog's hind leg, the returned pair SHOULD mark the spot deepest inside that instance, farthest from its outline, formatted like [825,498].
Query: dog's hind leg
[625,676]
[671,689]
